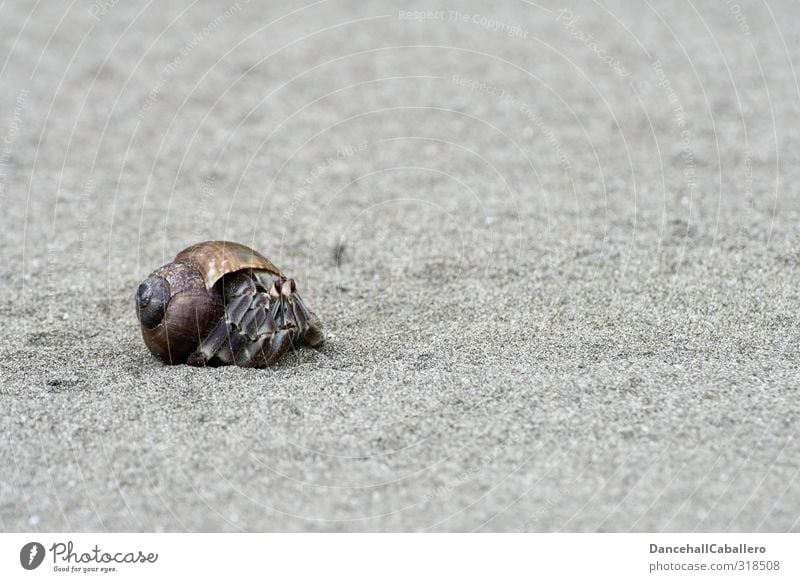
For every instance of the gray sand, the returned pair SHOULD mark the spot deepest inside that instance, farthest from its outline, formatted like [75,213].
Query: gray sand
[559,273]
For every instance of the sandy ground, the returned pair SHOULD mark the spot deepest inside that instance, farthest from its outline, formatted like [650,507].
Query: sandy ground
[556,250]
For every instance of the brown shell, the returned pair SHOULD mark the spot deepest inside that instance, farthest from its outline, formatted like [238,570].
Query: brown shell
[189,316]
[217,258]
[192,292]
[193,308]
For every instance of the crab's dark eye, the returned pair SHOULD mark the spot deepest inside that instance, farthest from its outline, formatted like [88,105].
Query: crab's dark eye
[152,297]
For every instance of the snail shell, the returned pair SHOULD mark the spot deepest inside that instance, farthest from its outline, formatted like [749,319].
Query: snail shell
[221,303]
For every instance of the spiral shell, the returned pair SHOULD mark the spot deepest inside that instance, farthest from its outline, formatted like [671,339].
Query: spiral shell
[219,303]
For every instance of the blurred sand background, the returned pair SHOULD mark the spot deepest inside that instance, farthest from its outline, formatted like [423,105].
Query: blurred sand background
[555,247]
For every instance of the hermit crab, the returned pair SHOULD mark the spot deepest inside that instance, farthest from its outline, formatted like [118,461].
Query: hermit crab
[220,303]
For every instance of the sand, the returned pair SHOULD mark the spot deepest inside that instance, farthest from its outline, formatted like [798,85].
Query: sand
[556,254]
